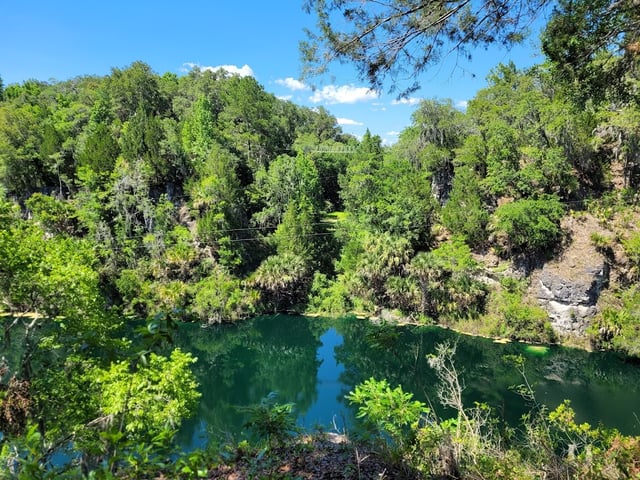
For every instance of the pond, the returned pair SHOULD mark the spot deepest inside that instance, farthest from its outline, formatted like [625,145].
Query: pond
[315,362]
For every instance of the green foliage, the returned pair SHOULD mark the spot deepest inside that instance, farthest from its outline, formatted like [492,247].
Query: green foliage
[134,291]
[617,326]
[546,171]
[516,318]
[578,448]
[134,89]
[358,185]
[100,150]
[23,459]
[282,280]
[468,444]
[472,444]
[502,160]
[631,247]
[381,256]
[464,213]
[55,216]
[250,122]
[401,39]
[153,397]
[602,242]
[21,167]
[198,131]
[429,144]
[221,298]
[298,232]
[218,198]
[389,196]
[529,226]
[586,40]
[272,421]
[531,140]
[445,280]
[329,297]
[288,179]
[147,199]
[390,411]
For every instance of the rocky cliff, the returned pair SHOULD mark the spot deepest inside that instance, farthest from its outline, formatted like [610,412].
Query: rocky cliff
[569,287]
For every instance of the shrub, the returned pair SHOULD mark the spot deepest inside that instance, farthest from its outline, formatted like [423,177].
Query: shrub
[632,249]
[617,327]
[529,226]
[601,242]
[272,421]
[390,411]
[330,297]
[221,298]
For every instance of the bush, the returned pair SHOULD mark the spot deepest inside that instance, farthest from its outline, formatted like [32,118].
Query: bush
[529,226]
[445,281]
[617,327]
[390,411]
[632,249]
[510,316]
[330,297]
[221,298]
[272,421]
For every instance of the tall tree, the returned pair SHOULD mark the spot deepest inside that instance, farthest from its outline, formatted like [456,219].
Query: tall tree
[100,150]
[21,167]
[135,88]
[288,178]
[198,131]
[438,128]
[593,44]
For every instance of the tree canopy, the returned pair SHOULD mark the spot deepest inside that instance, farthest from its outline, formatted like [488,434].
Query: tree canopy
[132,201]
[399,39]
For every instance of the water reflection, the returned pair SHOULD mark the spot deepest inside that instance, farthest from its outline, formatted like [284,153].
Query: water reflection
[315,362]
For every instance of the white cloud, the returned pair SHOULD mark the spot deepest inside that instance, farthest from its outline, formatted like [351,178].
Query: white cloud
[406,101]
[292,84]
[285,97]
[393,133]
[462,104]
[343,94]
[348,121]
[244,71]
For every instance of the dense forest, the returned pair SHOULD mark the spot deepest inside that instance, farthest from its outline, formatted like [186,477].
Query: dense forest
[134,201]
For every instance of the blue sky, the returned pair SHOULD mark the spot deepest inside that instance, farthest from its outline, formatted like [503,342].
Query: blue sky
[62,39]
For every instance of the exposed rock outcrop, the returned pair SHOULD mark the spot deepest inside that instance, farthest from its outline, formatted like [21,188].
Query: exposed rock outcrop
[571,302]
[568,288]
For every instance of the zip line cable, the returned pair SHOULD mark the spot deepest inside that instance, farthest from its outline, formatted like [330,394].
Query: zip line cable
[118,248]
[314,224]
[227,230]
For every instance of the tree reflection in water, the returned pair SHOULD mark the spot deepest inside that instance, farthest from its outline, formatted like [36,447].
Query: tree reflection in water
[240,364]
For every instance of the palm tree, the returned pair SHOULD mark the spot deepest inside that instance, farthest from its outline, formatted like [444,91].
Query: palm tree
[282,280]
[430,273]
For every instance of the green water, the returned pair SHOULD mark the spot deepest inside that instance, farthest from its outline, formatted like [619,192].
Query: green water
[314,362]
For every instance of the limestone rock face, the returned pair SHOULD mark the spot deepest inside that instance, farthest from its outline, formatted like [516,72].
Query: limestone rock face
[571,299]
[568,287]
